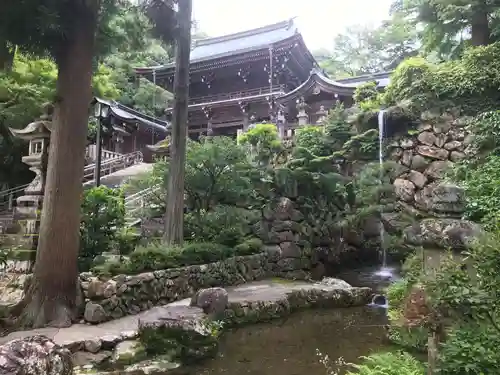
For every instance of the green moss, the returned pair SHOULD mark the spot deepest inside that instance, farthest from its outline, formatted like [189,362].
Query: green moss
[179,344]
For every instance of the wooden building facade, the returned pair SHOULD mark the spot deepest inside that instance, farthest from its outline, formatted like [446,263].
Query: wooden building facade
[261,75]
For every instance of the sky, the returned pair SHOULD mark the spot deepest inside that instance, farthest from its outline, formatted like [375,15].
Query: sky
[318,20]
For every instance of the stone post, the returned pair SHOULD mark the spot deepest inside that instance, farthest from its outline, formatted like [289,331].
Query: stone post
[29,206]
[302,114]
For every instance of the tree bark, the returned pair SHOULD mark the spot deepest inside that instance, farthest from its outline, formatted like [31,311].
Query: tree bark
[174,213]
[480,28]
[6,56]
[52,296]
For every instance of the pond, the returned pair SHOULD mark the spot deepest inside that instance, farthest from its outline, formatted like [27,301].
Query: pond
[289,346]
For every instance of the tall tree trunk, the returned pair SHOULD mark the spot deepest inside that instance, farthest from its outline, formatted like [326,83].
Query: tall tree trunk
[52,296]
[174,214]
[7,53]
[480,28]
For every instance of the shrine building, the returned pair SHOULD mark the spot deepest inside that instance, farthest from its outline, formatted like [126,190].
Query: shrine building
[261,75]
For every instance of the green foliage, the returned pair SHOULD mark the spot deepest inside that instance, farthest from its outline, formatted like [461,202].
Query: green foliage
[263,142]
[362,49]
[365,92]
[479,174]
[399,363]
[470,349]
[469,83]
[157,256]
[225,225]
[447,27]
[481,187]
[312,138]
[217,173]
[103,215]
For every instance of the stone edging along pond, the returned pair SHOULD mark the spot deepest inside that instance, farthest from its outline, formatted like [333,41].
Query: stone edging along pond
[178,334]
[121,295]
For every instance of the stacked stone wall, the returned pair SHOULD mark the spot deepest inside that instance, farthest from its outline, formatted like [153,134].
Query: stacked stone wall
[421,187]
[121,295]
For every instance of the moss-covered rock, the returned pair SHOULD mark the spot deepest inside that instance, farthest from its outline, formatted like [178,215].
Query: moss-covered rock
[183,339]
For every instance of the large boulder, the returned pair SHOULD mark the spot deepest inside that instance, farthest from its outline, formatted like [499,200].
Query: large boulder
[35,355]
[442,233]
[213,301]
[441,198]
[180,333]
[335,283]
[404,189]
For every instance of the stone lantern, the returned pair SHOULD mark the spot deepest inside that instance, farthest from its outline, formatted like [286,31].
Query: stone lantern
[301,112]
[29,206]
[321,113]
[161,148]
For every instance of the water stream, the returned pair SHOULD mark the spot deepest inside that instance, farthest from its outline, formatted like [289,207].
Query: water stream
[384,271]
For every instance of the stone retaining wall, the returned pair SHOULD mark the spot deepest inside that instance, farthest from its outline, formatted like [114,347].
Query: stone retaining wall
[107,299]
[437,205]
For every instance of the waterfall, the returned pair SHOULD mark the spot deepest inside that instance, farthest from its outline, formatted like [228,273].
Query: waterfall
[384,271]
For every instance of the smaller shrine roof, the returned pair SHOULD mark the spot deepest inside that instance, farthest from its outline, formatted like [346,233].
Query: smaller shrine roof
[382,79]
[127,114]
[319,80]
[237,43]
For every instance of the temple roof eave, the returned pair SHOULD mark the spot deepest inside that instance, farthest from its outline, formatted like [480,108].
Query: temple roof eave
[318,80]
[126,114]
[210,49]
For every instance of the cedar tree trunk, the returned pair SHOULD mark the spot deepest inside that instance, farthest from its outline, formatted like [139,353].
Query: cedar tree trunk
[6,56]
[52,295]
[174,213]
[480,28]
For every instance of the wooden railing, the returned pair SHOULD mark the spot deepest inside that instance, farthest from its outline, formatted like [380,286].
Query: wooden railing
[237,95]
[109,166]
[91,153]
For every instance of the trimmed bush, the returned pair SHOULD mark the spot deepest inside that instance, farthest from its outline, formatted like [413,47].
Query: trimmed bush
[156,256]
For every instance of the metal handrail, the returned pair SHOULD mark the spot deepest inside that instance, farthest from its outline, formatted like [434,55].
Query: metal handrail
[13,190]
[136,202]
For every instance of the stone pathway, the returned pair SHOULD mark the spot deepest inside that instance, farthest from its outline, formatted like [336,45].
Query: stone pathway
[126,327]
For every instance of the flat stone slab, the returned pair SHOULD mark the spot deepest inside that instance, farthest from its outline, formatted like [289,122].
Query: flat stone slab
[124,328]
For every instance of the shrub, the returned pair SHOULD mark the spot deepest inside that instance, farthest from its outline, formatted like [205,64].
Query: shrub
[126,240]
[470,349]
[312,138]
[103,215]
[153,257]
[399,363]
[249,247]
[156,256]
[224,225]
[470,83]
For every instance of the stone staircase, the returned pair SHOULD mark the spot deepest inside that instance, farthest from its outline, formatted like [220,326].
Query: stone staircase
[115,170]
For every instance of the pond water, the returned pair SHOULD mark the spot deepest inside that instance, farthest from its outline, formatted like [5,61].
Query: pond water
[289,346]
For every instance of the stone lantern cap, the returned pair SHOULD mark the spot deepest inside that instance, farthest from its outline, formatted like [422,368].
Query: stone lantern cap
[34,130]
[162,147]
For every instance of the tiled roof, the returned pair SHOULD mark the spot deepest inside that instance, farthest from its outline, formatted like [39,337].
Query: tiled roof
[382,79]
[232,44]
[128,114]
